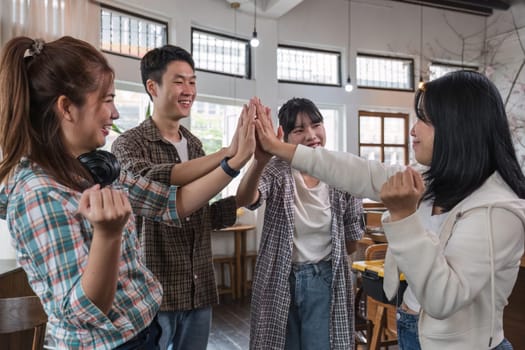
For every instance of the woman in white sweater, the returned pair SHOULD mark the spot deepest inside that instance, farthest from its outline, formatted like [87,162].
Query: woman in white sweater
[463,273]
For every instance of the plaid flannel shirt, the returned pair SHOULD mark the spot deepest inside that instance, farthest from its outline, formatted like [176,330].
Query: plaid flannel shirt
[53,243]
[271,291]
[180,257]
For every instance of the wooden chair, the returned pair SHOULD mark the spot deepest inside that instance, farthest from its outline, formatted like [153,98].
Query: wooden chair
[229,262]
[21,314]
[381,315]
[373,219]
[362,326]
[376,251]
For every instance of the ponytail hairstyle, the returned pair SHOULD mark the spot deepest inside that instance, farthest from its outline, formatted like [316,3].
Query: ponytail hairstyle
[33,75]
[472,138]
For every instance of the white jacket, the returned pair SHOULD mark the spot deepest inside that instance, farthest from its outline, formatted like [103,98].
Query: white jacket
[463,276]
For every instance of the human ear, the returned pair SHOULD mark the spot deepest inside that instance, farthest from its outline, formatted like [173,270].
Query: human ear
[151,87]
[63,107]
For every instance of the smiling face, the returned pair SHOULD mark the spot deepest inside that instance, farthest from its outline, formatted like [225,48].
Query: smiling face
[423,141]
[86,127]
[306,132]
[174,97]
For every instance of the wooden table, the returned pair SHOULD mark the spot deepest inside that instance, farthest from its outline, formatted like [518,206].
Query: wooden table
[239,250]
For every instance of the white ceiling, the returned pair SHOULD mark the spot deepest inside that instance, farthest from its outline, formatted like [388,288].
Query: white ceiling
[267,8]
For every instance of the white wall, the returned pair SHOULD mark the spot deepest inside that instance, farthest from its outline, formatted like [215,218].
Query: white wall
[505,62]
[6,251]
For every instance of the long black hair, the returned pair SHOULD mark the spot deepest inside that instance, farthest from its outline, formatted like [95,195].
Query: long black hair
[472,138]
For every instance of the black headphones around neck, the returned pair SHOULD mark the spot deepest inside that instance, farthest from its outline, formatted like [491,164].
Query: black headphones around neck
[102,165]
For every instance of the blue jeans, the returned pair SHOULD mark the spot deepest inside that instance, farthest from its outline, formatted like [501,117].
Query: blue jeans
[407,333]
[185,330]
[148,339]
[308,325]
[504,345]
[408,337]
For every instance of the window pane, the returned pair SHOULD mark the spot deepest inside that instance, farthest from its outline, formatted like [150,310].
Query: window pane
[220,53]
[214,123]
[130,35]
[437,70]
[385,72]
[392,148]
[330,117]
[370,130]
[395,131]
[308,66]
[370,153]
[394,155]
[132,107]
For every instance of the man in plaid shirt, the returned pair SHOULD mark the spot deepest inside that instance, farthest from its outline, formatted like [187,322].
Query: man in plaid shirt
[162,149]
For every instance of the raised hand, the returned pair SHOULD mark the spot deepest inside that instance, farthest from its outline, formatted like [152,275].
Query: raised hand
[260,154]
[402,193]
[234,144]
[267,139]
[246,133]
[107,210]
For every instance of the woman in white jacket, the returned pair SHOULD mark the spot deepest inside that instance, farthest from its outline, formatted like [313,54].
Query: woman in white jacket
[463,273]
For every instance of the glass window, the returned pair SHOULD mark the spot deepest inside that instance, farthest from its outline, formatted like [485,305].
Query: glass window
[308,66]
[382,72]
[129,34]
[335,127]
[133,107]
[383,137]
[214,122]
[219,53]
[437,69]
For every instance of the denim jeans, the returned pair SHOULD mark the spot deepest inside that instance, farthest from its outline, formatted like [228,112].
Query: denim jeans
[504,345]
[185,330]
[148,339]
[308,325]
[408,338]
[407,333]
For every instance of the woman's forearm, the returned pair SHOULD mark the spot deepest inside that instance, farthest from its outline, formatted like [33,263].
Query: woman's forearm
[99,280]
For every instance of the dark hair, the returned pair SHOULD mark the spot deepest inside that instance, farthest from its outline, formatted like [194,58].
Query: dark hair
[472,138]
[155,62]
[33,74]
[289,111]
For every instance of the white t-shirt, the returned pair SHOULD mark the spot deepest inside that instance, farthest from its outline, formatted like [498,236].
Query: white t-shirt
[313,216]
[182,148]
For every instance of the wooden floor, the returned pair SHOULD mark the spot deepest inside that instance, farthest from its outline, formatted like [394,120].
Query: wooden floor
[230,329]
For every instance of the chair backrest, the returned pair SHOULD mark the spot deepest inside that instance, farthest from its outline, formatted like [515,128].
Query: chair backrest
[376,251]
[21,314]
[361,247]
[373,219]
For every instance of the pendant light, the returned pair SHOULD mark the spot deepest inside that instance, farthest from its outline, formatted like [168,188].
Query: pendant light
[349,87]
[421,80]
[254,42]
